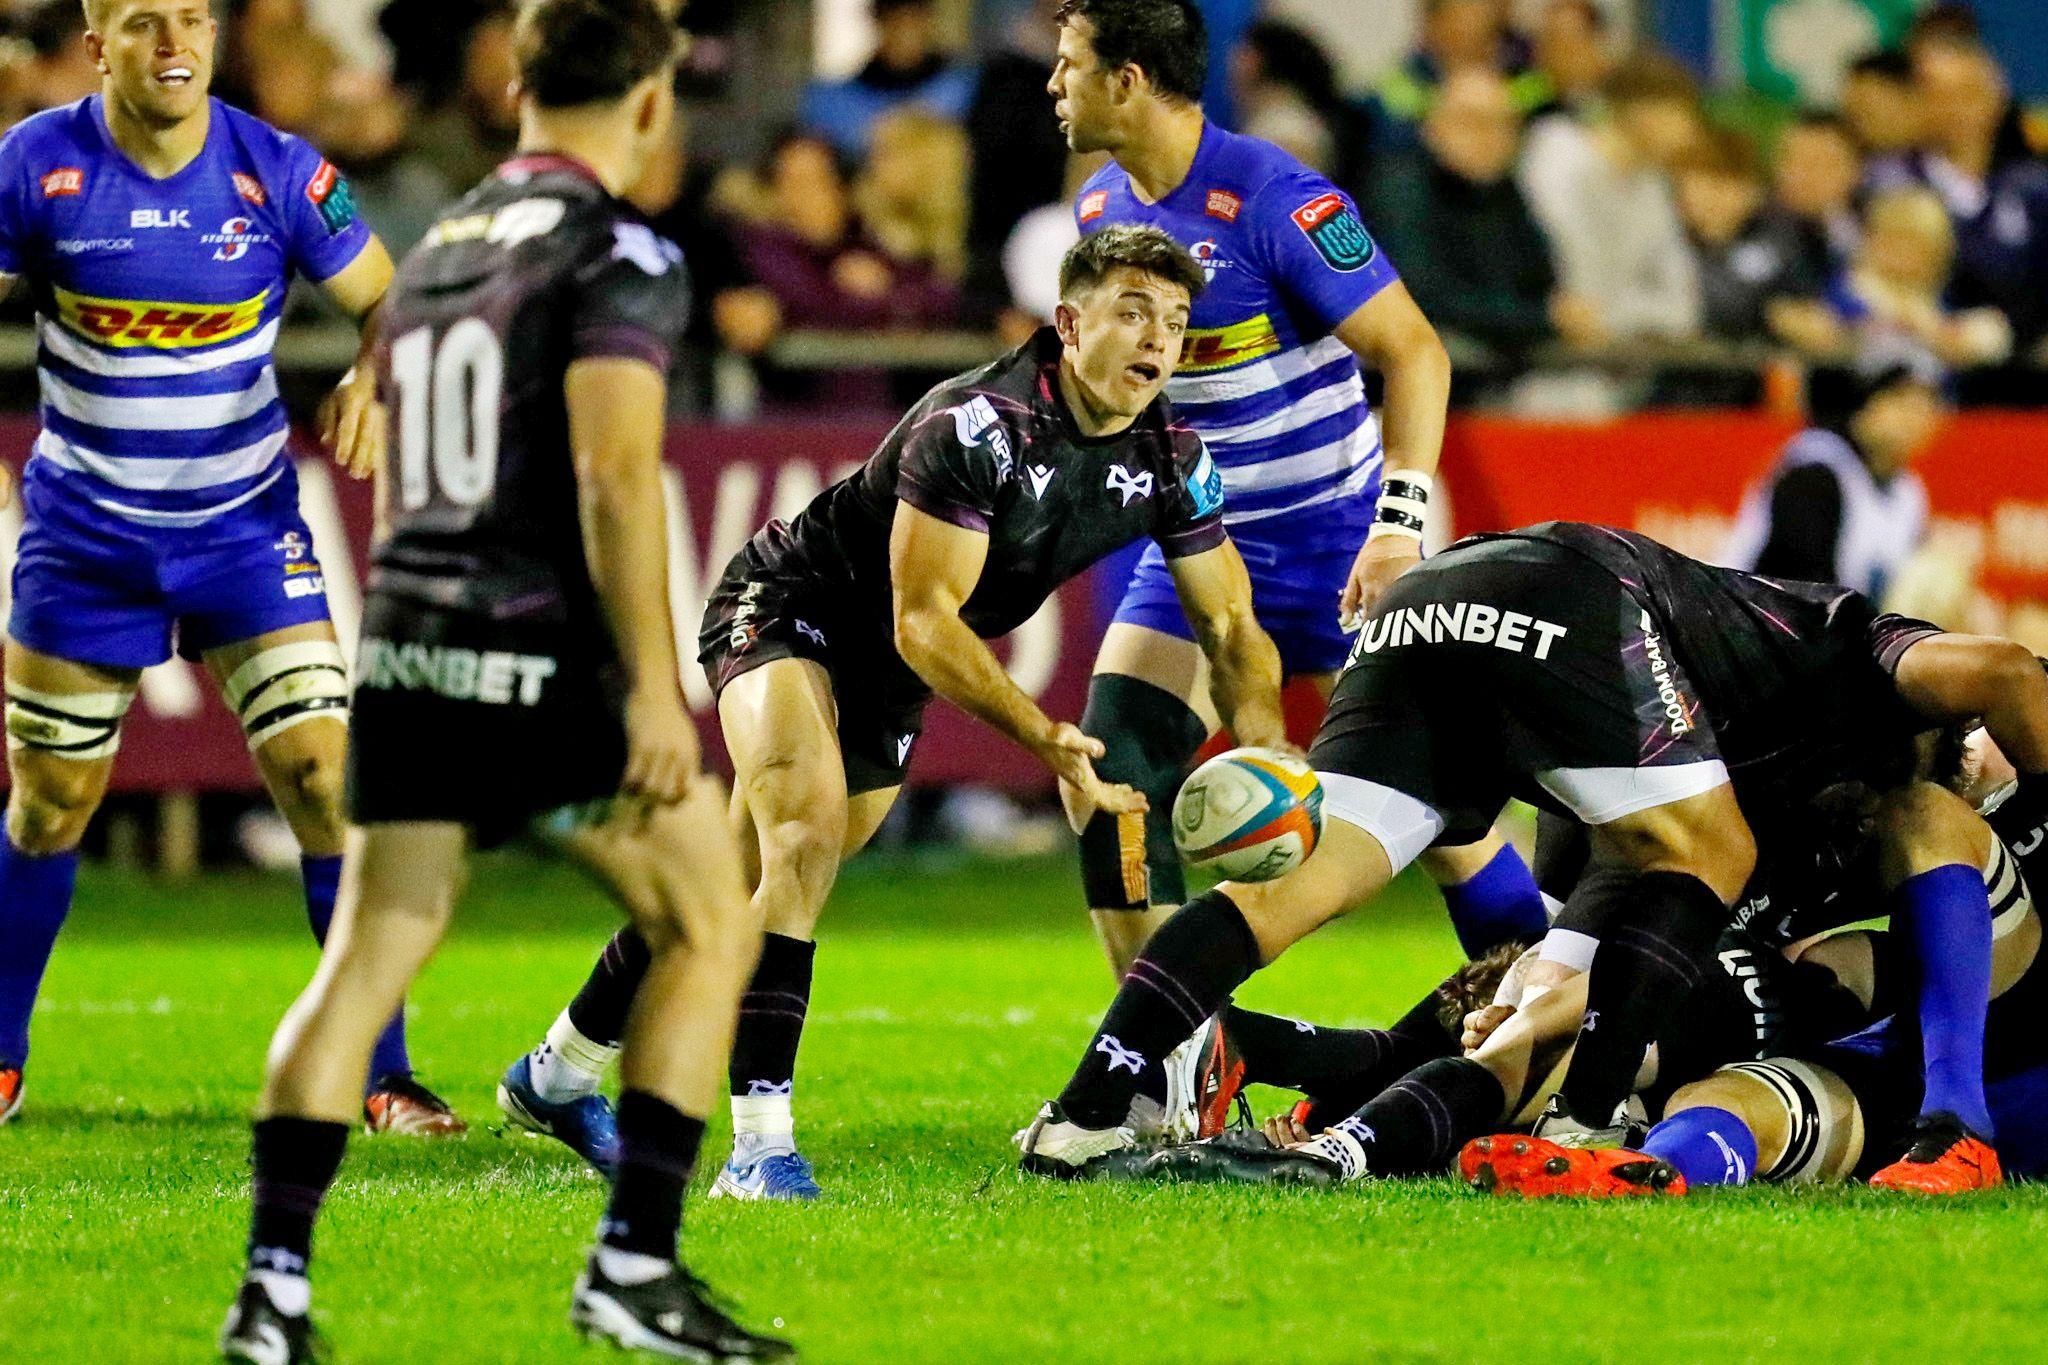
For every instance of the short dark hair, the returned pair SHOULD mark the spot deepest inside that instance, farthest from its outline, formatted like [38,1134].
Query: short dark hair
[1892,66]
[1166,39]
[1089,261]
[1652,77]
[575,52]
[1822,121]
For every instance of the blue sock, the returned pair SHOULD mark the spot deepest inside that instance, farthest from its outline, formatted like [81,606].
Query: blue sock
[323,884]
[35,896]
[1946,915]
[1709,1146]
[1496,904]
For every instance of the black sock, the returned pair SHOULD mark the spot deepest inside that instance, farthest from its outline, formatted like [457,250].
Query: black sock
[657,1151]
[293,1162]
[599,1010]
[1416,1125]
[1648,960]
[1319,1060]
[1186,973]
[772,1018]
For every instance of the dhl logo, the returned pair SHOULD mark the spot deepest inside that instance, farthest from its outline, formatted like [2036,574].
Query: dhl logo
[1218,348]
[139,322]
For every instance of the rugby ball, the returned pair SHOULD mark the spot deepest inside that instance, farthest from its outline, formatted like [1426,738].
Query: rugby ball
[1249,814]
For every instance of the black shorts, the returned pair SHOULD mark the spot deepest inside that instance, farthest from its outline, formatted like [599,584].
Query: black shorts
[756,616]
[478,722]
[1508,668]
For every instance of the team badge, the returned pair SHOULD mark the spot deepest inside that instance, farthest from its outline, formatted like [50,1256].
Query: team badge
[1205,485]
[63,182]
[1223,204]
[251,189]
[1127,485]
[330,194]
[1094,205]
[1339,238]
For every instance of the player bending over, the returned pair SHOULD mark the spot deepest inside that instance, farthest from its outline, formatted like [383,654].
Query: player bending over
[827,636]
[159,230]
[1299,295]
[517,655]
[1598,674]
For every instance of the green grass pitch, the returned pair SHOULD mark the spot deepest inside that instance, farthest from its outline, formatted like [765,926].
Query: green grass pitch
[952,996]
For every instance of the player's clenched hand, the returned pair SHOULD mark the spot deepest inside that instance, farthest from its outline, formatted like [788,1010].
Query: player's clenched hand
[1070,754]
[1480,1024]
[352,424]
[662,753]
[1379,563]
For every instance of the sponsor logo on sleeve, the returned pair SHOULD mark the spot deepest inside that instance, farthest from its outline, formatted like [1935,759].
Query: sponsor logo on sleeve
[1335,232]
[640,244]
[1094,205]
[1205,485]
[251,189]
[159,325]
[975,422]
[63,182]
[1223,204]
[330,194]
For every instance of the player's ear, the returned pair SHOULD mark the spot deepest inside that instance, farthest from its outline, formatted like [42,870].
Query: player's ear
[1066,320]
[96,49]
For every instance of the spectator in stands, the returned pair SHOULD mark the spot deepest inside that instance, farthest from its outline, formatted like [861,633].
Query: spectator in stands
[912,193]
[907,68]
[1574,54]
[1842,504]
[1453,220]
[363,126]
[1286,92]
[1813,191]
[59,70]
[1747,261]
[1602,194]
[1031,258]
[1977,160]
[1017,154]
[475,128]
[1893,293]
[1882,108]
[812,254]
[1455,34]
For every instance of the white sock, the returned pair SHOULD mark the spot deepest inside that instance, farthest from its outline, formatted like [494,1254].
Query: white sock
[293,1294]
[567,1065]
[762,1126]
[629,1267]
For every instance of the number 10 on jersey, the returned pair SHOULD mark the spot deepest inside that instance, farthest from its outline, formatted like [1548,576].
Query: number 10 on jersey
[448,413]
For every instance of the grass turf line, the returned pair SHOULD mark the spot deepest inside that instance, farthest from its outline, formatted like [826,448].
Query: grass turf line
[952,996]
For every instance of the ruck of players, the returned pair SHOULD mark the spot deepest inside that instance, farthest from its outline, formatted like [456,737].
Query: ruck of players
[1776,923]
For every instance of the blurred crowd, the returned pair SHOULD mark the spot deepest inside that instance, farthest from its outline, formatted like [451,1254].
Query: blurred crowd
[1543,188]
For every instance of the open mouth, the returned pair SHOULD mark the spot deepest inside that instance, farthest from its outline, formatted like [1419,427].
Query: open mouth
[176,77]
[1143,371]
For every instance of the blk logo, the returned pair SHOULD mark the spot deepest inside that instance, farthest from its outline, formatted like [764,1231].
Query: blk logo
[160,218]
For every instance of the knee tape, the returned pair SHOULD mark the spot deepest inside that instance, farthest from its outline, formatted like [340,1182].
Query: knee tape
[1130,862]
[286,686]
[1824,1129]
[80,725]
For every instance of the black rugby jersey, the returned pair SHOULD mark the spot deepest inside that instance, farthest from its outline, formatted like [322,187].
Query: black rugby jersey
[995,450]
[536,268]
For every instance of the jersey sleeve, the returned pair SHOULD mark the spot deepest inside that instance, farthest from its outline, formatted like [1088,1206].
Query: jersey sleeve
[1316,248]
[324,232]
[954,462]
[633,299]
[1191,516]
[14,202]
[1891,635]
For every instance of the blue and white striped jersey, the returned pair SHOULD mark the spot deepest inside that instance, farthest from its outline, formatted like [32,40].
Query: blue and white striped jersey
[157,305]
[1279,400]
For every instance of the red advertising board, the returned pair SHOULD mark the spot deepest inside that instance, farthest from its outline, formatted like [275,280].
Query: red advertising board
[1678,476]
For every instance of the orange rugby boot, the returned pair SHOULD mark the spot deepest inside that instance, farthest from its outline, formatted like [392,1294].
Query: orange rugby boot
[1537,1168]
[1944,1158]
[400,1104]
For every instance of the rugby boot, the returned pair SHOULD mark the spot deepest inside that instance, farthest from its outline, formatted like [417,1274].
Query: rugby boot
[1538,1168]
[10,1092]
[400,1104]
[671,1315]
[1943,1158]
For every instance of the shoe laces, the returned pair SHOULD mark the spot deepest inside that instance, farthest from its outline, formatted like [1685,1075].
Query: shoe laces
[1932,1139]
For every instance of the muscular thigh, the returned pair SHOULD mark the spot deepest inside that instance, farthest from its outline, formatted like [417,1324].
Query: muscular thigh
[289,689]
[62,722]
[780,723]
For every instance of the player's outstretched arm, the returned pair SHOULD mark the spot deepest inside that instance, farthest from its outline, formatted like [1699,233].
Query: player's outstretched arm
[1244,667]
[617,414]
[353,424]
[1390,333]
[933,567]
[1954,678]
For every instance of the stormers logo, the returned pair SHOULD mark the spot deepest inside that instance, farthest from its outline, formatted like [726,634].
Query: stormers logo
[234,239]
[160,325]
[1339,238]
